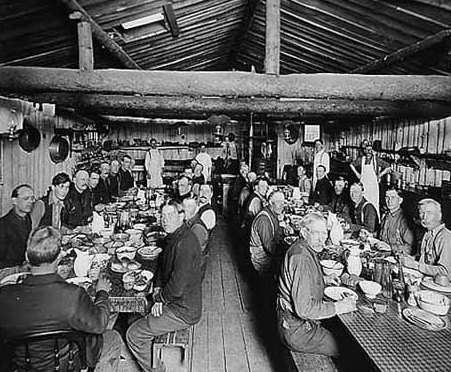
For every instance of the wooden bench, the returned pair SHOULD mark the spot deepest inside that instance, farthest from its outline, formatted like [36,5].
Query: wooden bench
[313,362]
[173,350]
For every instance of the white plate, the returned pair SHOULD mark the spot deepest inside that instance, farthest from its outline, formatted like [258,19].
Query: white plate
[13,279]
[424,319]
[349,242]
[391,259]
[428,282]
[338,293]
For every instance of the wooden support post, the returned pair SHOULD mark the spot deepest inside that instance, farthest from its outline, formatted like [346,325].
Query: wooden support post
[272,55]
[403,53]
[85,50]
[251,138]
[101,36]
[172,21]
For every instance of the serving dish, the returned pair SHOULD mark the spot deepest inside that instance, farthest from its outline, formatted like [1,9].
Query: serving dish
[340,293]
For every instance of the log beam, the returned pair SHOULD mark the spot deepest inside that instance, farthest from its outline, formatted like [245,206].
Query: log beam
[178,106]
[272,41]
[27,80]
[100,35]
[403,53]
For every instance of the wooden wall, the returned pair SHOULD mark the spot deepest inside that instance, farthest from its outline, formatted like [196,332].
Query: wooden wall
[34,168]
[431,136]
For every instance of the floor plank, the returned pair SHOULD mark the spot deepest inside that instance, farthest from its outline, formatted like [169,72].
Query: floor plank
[215,343]
[199,362]
[234,346]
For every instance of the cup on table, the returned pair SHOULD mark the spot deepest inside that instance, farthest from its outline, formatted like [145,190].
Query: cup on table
[128,280]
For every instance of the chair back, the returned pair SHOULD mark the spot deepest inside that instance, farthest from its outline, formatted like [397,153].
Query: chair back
[77,342]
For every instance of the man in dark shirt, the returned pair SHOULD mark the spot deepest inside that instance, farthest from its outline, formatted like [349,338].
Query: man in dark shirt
[341,203]
[323,192]
[15,227]
[78,200]
[178,289]
[102,193]
[44,302]
[114,178]
[365,214]
[125,175]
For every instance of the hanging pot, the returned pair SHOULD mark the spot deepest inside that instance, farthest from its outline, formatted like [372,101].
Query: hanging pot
[29,138]
[58,149]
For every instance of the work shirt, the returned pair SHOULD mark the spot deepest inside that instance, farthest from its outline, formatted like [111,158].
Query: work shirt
[14,232]
[301,284]
[49,211]
[265,241]
[395,230]
[365,216]
[435,255]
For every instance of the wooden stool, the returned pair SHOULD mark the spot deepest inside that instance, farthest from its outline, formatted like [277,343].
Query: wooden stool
[313,362]
[178,350]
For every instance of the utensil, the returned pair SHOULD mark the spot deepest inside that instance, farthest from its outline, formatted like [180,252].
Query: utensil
[29,138]
[58,149]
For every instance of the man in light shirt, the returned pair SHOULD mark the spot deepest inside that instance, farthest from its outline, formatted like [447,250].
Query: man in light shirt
[321,158]
[435,257]
[205,159]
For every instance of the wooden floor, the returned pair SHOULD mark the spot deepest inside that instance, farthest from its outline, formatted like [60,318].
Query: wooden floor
[229,335]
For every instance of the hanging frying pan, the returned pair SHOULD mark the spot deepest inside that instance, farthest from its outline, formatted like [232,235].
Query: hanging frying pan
[29,138]
[58,149]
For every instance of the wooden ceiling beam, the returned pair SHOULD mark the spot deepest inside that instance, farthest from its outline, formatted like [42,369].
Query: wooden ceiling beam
[403,53]
[444,4]
[100,35]
[27,80]
[246,24]
[120,105]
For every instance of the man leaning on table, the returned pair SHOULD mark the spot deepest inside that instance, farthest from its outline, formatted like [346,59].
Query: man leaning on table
[44,302]
[300,303]
[435,257]
[178,287]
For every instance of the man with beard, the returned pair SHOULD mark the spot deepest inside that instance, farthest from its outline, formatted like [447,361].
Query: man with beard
[78,200]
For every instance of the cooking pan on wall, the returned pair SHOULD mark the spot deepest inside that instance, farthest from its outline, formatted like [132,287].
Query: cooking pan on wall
[29,138]
[58,149]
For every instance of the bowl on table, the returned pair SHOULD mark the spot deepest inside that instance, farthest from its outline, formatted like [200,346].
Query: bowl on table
[433,302]
[370,288]
[332,267]
[121,237]
[348,243]
[126,251]
[150,252]
[142,279]
[290,239]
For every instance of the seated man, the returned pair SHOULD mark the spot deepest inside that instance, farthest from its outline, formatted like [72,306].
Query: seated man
[323,192]
[102,192]
[365,214]
[395,233]
[78,201]
[15,227]
[51,210]
[341,202]
[435,255]
[126,180]
[178,287]
[114,178]
[206,212]
[198,227]
[198,178]
[256,202]
[183,188]
[94,179]
[266,236]
[301,290]
[45,302]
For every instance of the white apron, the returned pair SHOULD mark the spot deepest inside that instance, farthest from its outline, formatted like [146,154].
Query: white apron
[370,184]
[154,163]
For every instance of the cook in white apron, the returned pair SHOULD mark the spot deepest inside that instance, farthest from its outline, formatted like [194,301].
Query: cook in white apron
[154,164]
[370,184]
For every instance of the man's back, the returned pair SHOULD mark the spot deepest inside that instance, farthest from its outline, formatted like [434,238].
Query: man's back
[45,303]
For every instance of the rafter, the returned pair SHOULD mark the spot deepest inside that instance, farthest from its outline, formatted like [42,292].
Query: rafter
[100,35]
[403,53]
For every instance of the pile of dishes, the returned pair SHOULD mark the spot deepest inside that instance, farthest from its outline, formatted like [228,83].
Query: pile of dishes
[433,302]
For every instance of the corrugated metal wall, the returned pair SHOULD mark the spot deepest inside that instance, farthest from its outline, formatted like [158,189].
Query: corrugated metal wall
[34,168]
